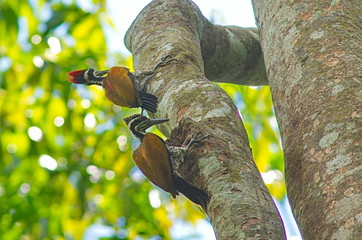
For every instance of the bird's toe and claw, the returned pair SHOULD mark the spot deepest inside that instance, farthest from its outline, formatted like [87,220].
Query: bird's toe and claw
[164,60]
[195,139]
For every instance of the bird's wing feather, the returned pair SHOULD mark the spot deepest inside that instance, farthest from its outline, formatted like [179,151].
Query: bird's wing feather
[120,88]
[152,159]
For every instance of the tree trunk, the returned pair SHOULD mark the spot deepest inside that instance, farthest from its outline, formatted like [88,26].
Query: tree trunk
[240,206]
[313,52]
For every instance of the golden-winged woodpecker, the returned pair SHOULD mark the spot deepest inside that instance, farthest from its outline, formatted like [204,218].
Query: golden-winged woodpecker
[153,158]
[120,86]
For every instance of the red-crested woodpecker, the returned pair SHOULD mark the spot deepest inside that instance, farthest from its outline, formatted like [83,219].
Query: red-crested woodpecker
[120,86]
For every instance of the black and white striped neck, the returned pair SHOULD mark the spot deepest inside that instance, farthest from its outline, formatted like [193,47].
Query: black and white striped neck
[135,125]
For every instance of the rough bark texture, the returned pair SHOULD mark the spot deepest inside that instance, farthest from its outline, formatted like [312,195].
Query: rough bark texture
[241,48]
[240,206]
[230,54]
[313,54]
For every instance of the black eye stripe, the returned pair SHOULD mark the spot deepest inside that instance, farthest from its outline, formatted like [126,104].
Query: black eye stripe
[91,75]
[137,124]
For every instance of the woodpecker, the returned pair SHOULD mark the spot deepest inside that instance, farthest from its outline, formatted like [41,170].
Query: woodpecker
[153,158]
[120,86]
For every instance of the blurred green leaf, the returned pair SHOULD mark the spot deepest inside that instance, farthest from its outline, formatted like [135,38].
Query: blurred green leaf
[256,108]
[59,176]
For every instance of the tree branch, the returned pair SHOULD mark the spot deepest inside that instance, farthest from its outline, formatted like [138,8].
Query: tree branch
[230,54]
[221,165]
[313,53]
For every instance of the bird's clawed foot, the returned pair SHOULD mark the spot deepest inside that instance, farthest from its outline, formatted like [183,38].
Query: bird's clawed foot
[164,60]
[147,75]
[196,139]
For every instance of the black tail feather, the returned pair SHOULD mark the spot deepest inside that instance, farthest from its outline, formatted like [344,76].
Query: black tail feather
[193,193]
[149,106]
[149,102]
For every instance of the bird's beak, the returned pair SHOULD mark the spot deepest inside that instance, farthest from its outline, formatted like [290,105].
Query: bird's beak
[151,122]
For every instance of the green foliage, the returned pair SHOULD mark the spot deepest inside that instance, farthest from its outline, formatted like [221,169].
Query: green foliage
[256,109]
[65,153]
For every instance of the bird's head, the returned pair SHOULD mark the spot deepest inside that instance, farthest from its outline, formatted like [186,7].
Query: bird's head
[87,76]
[138,124]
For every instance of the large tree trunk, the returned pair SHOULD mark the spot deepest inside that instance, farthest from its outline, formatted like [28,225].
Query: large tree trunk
[240,205]
[313,52]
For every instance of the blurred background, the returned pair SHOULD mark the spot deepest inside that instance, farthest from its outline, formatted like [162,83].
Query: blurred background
[66,168]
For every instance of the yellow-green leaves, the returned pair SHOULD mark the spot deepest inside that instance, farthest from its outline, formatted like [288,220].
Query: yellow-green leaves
[255,106]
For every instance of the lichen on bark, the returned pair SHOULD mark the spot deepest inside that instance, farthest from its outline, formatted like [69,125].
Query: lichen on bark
[313,56]
[240,205]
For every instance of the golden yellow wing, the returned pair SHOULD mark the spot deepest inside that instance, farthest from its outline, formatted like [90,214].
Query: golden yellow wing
[152,159]
[119,88]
